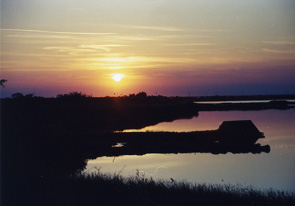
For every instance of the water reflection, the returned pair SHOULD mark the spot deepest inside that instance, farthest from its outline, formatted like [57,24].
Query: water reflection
[261,171]
[266,170]
[243,101]
[277,125]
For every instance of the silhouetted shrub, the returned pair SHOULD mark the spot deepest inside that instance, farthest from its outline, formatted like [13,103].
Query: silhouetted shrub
[141,95]
[29,96]
[73,95]
[17,95]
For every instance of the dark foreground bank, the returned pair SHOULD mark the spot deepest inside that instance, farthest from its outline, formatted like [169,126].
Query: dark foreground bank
[45,141]
[113,190]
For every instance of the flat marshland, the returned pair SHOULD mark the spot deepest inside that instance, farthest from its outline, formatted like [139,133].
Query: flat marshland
[46,143]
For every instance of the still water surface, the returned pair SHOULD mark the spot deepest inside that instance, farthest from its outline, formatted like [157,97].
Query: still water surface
[242,101]
[263,171]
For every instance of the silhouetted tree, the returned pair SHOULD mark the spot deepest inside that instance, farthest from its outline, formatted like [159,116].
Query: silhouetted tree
[17,95]
[2,81]
[73,95]
[141,95]
[29,96]
[132,95]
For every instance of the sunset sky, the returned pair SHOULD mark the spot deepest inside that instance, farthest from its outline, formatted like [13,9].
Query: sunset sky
[167,47]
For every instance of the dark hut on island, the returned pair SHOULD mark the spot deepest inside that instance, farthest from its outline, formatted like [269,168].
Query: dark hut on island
[239,132]
[232,136]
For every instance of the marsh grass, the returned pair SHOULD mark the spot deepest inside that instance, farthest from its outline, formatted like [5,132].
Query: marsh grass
[104,189]
[113,189]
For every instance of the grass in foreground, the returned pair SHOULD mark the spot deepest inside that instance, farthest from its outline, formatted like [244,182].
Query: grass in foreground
[106,189]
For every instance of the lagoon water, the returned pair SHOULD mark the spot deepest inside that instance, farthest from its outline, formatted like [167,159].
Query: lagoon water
[274,170]
[241,101]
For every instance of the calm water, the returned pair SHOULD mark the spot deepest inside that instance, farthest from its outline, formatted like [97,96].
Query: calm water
[241,101]
[266,170]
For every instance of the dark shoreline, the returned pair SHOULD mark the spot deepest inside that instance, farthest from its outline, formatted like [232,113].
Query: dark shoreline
[88,115]
[93,114]
[44,140]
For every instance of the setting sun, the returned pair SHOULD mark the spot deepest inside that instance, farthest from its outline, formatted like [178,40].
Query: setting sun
[117,77]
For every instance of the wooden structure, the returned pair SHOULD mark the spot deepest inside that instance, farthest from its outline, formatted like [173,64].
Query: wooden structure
[238,132]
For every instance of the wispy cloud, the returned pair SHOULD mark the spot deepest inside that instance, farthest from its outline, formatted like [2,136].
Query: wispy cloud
[59,48]
[56,32]
[40,36]
[191,44]
[157,28]
[161,38]
[214,30]
[278,51]
[74,51]
[137,59]
[133,38]
[106,47]
[183,36]
[22,54]
[279,42]
[83,48]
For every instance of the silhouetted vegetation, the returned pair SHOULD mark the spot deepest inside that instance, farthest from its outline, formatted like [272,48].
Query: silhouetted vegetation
[45,141]
[77,112]
[21,96]
[138,190]
[17,95]
[73,96]
[114,190]
[2,81]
